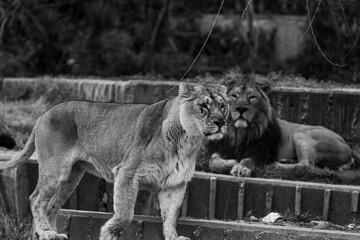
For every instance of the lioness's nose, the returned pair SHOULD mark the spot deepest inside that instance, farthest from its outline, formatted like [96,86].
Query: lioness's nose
[219,122]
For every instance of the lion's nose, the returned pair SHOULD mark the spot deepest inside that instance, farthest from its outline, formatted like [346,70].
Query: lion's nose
[219,122]
[241,110]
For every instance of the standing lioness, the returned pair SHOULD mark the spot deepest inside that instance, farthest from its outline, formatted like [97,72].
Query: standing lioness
[129,144]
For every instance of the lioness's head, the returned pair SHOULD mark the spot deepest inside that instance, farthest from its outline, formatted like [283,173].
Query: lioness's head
[249,103]
[204,110]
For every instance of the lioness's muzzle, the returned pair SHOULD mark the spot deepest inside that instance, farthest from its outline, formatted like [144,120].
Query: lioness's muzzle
[219,122]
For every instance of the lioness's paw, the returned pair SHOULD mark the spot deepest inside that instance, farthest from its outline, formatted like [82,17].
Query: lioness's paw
[240,171]
[174,236]
[107,235]
[51,235]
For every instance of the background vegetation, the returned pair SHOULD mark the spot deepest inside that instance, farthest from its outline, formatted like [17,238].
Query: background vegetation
[160,37]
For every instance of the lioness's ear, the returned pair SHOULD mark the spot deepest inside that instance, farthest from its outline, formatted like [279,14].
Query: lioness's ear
[263,83]
[223,89]
[185,90]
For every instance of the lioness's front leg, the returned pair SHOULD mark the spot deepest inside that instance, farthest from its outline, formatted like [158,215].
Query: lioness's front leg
[170,201]
[125,192]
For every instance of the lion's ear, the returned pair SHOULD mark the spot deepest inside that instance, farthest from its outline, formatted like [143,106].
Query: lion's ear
[185,90]
[263,83]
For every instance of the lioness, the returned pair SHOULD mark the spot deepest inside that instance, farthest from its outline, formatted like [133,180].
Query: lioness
[257,137]
[6,140]
[128,144]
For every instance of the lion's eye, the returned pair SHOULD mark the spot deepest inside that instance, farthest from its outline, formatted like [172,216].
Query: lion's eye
[252,98]
[223,107]
[234,95]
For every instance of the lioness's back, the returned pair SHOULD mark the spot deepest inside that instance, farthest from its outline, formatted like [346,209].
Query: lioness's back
[91,114]
[90,125]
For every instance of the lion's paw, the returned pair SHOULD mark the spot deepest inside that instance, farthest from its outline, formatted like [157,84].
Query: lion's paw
[182,238]
[239,170]
[51,235]
[280,164]
[219,165]
[287,161]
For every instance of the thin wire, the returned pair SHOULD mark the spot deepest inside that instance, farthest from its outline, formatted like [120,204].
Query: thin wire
[347,24]
[202,47]
[245,9]
[354,44]
[317,44]
[307,29]
[207,38]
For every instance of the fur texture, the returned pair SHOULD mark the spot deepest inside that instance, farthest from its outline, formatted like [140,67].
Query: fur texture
[130,145]
[257,137]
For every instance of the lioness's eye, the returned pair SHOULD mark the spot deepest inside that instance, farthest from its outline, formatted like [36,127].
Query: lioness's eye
[202,108]
[223,107]
[234,95]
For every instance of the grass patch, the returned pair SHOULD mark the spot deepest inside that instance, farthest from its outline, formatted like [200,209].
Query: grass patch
[307,174]
[13,227]
[20,117]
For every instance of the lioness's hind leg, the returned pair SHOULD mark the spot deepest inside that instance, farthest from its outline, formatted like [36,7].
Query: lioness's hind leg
[67,187]
[47,188]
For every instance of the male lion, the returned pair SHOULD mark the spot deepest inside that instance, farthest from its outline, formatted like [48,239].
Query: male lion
[128,144]
[258,137]
[6,140]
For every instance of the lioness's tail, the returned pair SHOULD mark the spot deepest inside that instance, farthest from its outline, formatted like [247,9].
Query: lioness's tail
[356,159]
[24,155]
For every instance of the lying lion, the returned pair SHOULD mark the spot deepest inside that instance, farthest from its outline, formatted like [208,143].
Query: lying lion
[128,144]
[257,137]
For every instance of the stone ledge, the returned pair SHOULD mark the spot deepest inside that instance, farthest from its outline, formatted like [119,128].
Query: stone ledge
[233,199]
[86,225]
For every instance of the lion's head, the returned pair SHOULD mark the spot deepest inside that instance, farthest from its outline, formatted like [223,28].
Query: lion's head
[249,103]
[204,110]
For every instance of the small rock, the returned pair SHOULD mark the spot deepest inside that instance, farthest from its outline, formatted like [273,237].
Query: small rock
[254,219]
[320,224]
[325,225]
[271,217]
[302,224]
[351,226]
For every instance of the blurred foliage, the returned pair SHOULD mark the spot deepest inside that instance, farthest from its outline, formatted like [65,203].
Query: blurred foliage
[112,38]
[336,28]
